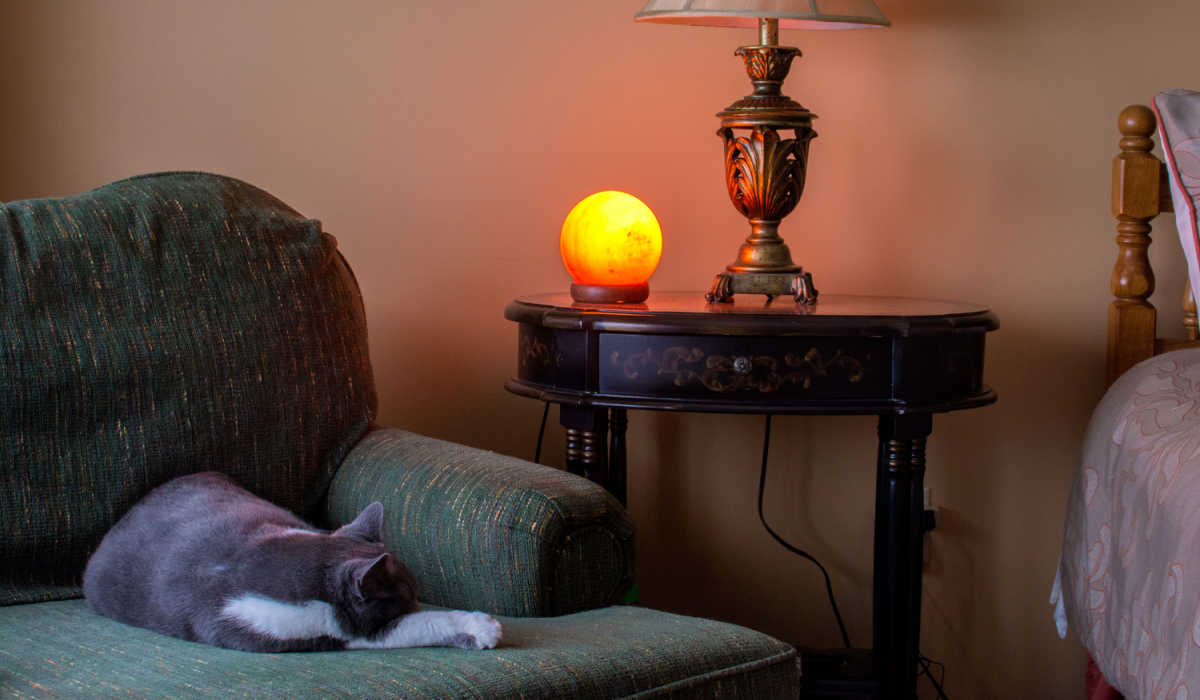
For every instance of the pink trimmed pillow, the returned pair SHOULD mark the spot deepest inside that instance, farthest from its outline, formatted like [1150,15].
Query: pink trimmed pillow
[1179,132]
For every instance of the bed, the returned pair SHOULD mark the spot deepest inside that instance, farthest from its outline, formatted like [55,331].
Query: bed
[1128,580]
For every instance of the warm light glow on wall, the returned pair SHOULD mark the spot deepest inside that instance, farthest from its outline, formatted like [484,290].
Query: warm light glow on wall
[611,244]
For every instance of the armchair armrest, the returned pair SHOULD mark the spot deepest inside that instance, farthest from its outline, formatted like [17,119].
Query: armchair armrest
[481,530]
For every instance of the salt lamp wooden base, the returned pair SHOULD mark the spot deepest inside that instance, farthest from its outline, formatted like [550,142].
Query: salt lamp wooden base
[610,293]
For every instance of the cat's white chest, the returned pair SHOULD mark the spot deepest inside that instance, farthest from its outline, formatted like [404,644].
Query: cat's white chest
[280,620]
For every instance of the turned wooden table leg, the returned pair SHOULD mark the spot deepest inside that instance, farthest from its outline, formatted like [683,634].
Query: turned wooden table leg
[899,503]
[587,436]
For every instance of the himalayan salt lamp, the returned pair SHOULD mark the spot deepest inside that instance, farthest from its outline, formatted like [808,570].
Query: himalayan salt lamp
[610,244]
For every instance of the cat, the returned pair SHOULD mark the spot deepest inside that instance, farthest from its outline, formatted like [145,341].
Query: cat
[201,559]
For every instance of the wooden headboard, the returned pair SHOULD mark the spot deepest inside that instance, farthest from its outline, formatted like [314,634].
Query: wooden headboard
[1140,192]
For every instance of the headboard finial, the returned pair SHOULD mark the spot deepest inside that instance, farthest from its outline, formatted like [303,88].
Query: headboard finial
[1137,124]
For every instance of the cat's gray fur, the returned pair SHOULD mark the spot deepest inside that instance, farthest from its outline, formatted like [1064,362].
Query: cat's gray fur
[201,559]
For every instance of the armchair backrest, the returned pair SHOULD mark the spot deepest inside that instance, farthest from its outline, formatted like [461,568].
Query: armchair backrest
[159,326]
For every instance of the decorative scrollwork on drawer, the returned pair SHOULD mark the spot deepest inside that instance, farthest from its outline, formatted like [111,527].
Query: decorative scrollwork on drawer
[852,367]
[722,373]
[534,352]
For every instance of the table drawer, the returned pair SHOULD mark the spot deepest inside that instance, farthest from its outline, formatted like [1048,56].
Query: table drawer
[736,367]
[552,357]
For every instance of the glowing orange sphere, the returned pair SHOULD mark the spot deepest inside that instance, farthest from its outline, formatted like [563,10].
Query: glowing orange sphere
[611,244]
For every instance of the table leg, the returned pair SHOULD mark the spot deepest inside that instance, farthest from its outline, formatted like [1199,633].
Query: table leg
[616,453]
[899,502]
[587,435]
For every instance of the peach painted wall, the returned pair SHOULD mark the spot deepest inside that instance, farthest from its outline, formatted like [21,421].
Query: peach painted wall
[963,153]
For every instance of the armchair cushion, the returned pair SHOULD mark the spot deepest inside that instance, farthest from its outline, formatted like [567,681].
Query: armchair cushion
[484,531]
[158,326]
[62,648]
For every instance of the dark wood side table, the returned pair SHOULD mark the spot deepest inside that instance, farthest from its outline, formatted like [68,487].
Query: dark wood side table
[900,359]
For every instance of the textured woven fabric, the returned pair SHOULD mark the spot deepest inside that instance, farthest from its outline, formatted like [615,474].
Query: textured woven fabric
[180,322]
[61,648]
[158,326]
[486,531]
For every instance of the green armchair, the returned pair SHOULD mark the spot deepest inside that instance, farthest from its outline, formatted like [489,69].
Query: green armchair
[182,322]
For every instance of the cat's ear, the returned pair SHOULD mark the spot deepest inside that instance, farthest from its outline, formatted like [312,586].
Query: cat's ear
[383,577]
[374,578]
[367,526]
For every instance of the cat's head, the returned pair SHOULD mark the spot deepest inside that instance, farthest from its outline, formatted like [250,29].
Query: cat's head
[372,585]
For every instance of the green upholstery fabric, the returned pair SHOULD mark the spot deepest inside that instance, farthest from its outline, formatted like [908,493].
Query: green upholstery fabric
[158,326]
[454,513]
[179,322]
[61,648]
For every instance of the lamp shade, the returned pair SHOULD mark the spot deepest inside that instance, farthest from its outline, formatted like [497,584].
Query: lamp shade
[792,14]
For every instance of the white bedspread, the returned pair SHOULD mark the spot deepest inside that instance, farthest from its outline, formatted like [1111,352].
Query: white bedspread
[1128,581]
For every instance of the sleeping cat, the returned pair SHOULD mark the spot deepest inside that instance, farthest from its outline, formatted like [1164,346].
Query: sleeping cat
[201,559]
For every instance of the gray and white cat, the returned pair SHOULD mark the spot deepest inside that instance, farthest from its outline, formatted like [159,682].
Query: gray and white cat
[202,559]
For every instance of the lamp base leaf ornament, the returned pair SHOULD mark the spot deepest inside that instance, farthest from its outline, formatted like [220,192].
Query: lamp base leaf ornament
[765,175]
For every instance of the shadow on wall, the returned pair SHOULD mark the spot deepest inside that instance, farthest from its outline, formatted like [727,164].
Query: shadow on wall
[982,563]
[960,13]
[701,547]
[693,486]
[35,161]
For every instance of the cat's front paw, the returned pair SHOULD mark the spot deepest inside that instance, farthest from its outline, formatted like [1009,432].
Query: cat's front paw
[476,630]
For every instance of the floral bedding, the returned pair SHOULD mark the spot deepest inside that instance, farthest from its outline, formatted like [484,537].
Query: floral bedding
[1128,580]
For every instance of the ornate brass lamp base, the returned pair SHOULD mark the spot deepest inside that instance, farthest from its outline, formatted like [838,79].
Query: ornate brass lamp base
[765,173]
[798,285]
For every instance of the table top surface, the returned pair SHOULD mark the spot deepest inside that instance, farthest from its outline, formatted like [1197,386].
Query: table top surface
[757,305]
[751,312]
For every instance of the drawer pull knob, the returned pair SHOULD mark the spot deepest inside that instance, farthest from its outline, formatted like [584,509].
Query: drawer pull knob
[742,365]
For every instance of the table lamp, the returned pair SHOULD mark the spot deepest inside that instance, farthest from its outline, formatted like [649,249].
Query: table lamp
[765,173]
[610,243]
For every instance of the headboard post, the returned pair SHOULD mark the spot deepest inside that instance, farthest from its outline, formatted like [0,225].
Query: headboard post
[1135,201]
[1191,324]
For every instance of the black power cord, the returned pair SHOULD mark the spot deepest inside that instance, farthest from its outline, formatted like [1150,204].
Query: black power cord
[762,482]
[926,671]
[537,451]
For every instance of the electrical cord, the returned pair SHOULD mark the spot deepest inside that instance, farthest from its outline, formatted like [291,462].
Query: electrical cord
[926,671]
[537,451]
[762,482]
